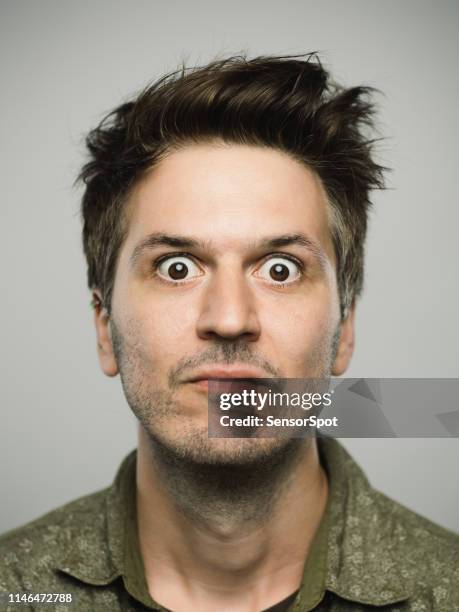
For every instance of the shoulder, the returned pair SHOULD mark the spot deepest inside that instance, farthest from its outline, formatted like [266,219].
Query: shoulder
[427,554]
[381,552]
[29,553]
[414,533]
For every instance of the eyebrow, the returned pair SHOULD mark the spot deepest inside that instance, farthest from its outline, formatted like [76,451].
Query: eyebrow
[185,242]
[302,240]
[159,239]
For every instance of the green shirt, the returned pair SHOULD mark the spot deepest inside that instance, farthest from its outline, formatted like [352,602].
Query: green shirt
[369,552]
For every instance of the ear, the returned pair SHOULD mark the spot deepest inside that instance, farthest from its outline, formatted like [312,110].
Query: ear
[104,341]
[346,344]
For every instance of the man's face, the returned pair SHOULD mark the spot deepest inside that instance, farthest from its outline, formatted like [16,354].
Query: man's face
[228,268]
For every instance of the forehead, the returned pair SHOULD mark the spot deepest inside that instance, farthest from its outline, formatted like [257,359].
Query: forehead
[229,194]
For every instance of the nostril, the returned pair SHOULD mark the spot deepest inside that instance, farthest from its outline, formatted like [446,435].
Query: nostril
[228,311]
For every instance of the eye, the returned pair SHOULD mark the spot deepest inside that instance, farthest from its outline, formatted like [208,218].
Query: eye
[178,268]
[280,270]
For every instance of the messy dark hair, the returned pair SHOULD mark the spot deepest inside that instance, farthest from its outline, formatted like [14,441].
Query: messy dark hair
[286,103]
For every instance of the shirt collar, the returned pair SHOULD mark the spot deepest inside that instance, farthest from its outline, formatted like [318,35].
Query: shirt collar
[96,553]
[353,543]
[363,564]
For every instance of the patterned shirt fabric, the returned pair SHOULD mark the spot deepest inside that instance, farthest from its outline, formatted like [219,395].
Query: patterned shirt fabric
[369,553]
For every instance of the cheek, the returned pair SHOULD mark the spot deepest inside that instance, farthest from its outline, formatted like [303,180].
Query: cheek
[161,331]
[298,328]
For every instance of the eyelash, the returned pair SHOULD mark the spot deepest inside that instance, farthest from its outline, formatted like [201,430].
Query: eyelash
[175,283]
[164,258]
[297,262]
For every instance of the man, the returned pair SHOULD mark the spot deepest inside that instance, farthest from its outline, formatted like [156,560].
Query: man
[225,215]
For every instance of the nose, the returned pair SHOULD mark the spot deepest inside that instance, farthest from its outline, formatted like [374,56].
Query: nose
[227,309]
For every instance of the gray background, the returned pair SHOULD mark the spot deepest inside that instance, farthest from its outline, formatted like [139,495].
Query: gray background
[64,426]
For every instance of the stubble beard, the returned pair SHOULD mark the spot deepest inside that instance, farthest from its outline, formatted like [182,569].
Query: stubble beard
[211,480]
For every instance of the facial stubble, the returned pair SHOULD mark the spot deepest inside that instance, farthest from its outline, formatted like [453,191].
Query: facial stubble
[233,479]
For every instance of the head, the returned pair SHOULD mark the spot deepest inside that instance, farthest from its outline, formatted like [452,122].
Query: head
[225,215]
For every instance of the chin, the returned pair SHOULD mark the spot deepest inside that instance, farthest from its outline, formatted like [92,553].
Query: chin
[198,448]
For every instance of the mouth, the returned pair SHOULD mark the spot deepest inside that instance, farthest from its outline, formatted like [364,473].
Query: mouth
[202,384]
[226,385]
[230,379]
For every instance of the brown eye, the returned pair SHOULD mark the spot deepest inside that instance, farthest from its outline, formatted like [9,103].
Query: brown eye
[279,270]
[178,268]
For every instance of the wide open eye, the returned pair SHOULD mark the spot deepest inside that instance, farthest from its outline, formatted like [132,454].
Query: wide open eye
[279,270]
[178,268]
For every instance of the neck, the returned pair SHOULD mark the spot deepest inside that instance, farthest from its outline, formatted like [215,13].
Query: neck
[223,527]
